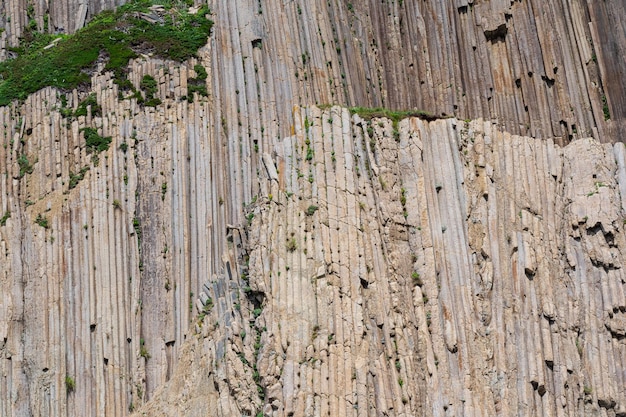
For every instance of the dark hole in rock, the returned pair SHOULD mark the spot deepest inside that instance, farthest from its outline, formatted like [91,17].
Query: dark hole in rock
[498,34]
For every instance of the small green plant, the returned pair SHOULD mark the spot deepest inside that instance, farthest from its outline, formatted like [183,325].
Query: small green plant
[91,100]
[124,147]
[117,204]
[579,347]
[149,85]
[94,142]
[587,390]
[70,384]
[208,305]
[42,221]
[206,309]
[316,331]
[137,227]
[311,210]
[200,71]
[4,218]
[197,84]
[163,191]
[292,245]
[143,352]
[417,279]
[25,166]
[76,178]
[605,108]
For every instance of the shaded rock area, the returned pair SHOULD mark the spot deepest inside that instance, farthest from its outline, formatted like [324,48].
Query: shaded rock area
[256,251]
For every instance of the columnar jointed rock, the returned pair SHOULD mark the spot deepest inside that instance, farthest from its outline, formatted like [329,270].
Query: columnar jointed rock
[354,267]
[392,267]
[96,255]
[546,70]
[432,268]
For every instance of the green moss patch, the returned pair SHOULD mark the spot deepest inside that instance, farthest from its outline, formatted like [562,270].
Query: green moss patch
[114,37]
[95,143]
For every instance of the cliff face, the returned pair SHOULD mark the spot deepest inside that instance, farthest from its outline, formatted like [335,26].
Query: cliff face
[251,252]
[539,69]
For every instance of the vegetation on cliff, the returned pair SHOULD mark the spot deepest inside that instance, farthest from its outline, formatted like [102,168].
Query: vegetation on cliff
[368,113]
[169,30]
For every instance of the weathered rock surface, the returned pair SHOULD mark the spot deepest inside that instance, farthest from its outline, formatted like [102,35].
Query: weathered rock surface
[537,68]
[247,254]
[456,270]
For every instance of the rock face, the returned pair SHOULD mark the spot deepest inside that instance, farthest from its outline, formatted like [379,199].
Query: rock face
[445,268]
[539,69]
[250,252]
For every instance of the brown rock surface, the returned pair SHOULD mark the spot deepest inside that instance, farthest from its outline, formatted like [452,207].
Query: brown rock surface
[246,254]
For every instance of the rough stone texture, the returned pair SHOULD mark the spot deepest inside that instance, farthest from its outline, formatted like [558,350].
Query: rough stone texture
[537,68]
[353,267]
[455,271]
